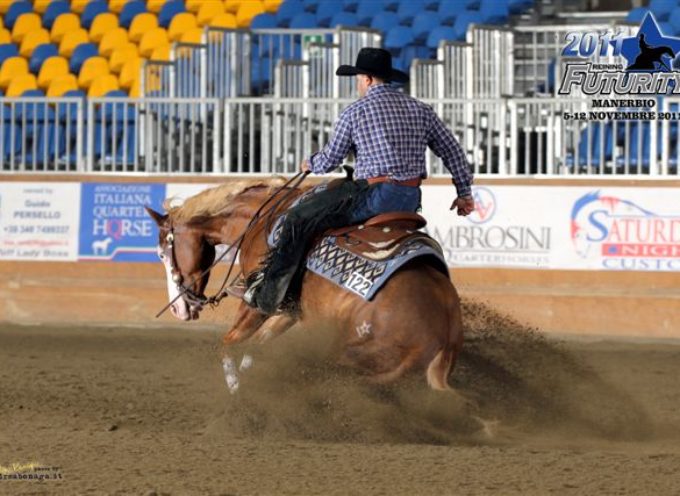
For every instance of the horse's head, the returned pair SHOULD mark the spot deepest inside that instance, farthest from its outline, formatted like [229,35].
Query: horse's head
[186,255]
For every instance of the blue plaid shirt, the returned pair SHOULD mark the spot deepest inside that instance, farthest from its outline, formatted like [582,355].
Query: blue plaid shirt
[389,132]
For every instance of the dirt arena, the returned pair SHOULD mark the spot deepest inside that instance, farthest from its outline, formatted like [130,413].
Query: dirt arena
[139,411]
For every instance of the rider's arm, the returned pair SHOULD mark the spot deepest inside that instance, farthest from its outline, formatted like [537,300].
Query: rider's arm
[337,149]
[446,147]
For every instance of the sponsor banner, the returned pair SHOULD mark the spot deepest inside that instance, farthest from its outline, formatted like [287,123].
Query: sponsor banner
[578,228]
[114,225]
[38,221]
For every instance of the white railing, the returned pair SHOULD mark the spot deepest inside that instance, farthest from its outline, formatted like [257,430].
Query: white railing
[500,136]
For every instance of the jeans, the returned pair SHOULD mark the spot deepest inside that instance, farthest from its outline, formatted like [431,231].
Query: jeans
[386,197]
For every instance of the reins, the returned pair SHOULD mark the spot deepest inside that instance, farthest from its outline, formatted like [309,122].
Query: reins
[201,301]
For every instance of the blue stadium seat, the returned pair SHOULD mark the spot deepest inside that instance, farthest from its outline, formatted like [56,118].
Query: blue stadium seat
[389,5]
[639,142]
[344,19]
[81,53]
[41,53]
[325,12]
[475,4]
[439,34]
[636,15]
[398,37]
[407,11]
[662,9]
[311,5]
[494,11]
[14,11]
[130,11]
[448,11]
[303,20]
[170,10]
[367,10]
[432,5]
[590,144]
[350,5]
[115,131]
[423,24]
[8,50]
[36,122]
[92,10]
[287,11]
[519,6]
[54,10]
[263,21]
[463,20]
[385,21]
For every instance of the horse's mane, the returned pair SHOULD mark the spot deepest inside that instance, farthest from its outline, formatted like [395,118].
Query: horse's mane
[217,200]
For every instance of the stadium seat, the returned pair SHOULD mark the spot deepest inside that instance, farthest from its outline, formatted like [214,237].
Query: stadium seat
[390,5]
[91,69]
[194,5]
[116,6]
[136,89]
[398,37]
[14,11]
[344,19]
[63,24]
[102,85]
[129,73]
[169,11]
[11,67]
[246,11]
[312,5]
[32,40]
[324,13]
[81,53]
[384,21]
[423,25]
[130,11]
[93,9]
[102,24]
[519,6]
[161,53]
[20,84]
[232,6]
[448,11]
[54,10]
[52,68]
[287,11]
[40,6]
[25,23]
[180,24]
[152,39]
[78,6]
[303,20]
[208,11]
[121,55]
[40,54]
[8,50]
[61,85]
[439,34]
[113,39]
[227,21]
[271,6]
[494,11]
[263,21]
[5,36]
[141,25]
[407,11]
[192,36]
[71,40]
[4,7]
[662,9]
[155,6]
[463,21]
[367,10]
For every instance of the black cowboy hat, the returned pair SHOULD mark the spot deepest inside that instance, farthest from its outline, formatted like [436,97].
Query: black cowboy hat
[373,62]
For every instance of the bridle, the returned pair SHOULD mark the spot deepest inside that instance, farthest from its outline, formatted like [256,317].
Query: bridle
[198,301]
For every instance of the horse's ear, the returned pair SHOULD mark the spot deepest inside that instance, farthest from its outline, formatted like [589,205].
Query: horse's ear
[156,216]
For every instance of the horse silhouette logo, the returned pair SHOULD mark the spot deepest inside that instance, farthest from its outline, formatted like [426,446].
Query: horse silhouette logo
[650,50]
[101,247]
[651,58]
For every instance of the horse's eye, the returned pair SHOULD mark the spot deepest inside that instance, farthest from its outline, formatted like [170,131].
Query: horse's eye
[161,256]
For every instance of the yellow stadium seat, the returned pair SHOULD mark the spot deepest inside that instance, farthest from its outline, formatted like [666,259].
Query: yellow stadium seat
[193,5]
[227,21]
[272,6]
[232,6]
[135,89]
[102,85]
[2,23]
[101,25]
[246,11]
[24,24]
[130,72]
[71,40]
[142,24]
[5,36]
[180,24]
[78,6]
[152,39]
[192,36]
[4,7]
[155,5]
[208,10]
[115,38]
[121,55]
[21,83]
[40,6]
[63,24]
[117,5]
[61,85]
[32,40]
[13,66]
[161,53]
[92,68]
[51,69]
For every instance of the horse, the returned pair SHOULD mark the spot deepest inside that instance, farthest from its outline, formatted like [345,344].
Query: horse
[647,59]
[413,324]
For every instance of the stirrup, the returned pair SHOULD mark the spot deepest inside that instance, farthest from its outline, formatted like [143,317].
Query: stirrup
[238,289]
[251,290]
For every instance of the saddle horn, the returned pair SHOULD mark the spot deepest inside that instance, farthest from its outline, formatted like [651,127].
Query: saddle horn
[349,172]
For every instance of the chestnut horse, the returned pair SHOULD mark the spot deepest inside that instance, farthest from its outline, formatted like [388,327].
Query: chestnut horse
[412,324]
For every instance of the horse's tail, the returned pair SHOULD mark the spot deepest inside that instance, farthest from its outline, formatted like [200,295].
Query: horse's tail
[443,362]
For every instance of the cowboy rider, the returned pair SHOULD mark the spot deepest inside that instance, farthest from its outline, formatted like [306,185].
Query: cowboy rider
[388,132]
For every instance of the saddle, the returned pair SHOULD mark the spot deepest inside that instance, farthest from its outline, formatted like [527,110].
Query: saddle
[381,236]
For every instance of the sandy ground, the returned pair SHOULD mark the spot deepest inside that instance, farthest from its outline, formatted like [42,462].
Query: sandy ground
[139,411]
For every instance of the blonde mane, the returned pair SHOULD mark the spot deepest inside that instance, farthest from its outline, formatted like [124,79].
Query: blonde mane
[215,201]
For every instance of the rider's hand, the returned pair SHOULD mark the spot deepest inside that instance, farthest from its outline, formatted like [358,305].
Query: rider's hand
[305,167]
[464,204]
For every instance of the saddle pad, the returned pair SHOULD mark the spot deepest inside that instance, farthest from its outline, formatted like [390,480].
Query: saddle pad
[360,275]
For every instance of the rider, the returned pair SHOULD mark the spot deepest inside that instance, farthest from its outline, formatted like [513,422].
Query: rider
[388,133]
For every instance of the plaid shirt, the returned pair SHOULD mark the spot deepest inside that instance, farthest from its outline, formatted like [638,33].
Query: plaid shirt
[388,132]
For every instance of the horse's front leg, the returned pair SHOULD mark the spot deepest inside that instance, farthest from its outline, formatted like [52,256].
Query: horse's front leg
[274,327]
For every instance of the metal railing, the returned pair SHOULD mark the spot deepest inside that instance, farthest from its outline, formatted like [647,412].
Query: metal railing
[492,74]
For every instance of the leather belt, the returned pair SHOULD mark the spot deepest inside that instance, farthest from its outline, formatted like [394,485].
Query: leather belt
[415,182]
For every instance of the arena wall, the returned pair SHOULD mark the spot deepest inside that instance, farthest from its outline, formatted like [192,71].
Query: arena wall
[595,302]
